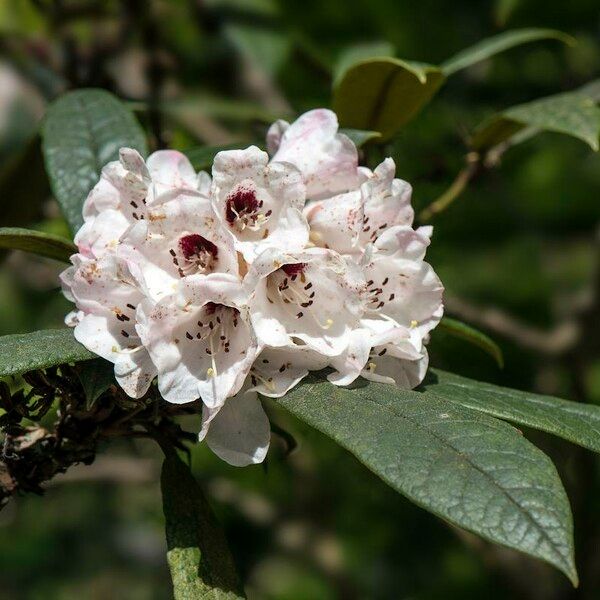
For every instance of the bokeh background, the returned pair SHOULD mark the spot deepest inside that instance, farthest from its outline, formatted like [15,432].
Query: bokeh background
[517,253]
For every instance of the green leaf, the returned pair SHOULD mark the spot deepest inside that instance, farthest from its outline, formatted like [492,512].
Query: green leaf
[359,52]
[361,137]
[39,350]
[572,113]
[573,421]
[96,376]
[383,94]
[469,469]
[37,242]
[499,43]
[202,157]
[199,560]
[83,130]
[477,338]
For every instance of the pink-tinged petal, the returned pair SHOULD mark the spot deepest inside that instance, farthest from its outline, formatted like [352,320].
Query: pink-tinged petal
[406,374]
[172,176]
[134,372]
[202,350]
[278,370]
[274,135]
[240,432]
[400,285]
[178,239]
[328,160]
[259,204]
[350,364]
[315,296]
[386,202]
[336,223]
[101,234]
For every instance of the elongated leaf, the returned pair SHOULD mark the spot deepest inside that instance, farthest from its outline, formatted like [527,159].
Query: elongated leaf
[574,421]
[474,471]
[572,113]
[499,43]
[470,334]
[24,352]
[96,377]
[37,242]
[202,157]
[382,94]
[199,559]
[83,131]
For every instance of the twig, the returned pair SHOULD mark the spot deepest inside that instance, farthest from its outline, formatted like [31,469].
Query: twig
[467,173]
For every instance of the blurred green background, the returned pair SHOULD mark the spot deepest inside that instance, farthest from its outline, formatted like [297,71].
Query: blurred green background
[519,247]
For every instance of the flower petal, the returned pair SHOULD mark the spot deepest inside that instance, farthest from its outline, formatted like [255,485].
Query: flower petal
[328,160]
[240,433]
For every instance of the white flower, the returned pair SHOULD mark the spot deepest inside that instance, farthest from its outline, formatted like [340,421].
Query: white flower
[400,285]
[126,189]
[348,222]
[259,203]
[200,339]
[179,238]
[234,286]
[328,160]
[107,297]
[315,296]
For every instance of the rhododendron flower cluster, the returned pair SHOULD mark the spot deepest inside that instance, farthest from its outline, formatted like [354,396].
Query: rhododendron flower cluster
[228,286]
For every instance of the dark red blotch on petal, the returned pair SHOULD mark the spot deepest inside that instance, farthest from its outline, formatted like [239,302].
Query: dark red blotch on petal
[241,200]
[293,268]
[191,245]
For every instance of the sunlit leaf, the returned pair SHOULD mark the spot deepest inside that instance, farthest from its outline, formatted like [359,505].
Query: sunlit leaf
[24,352]
[382,94]
[574,421]
[571,113]
[199,560]
[82,131]
[474,336]
[499,43]
[37,242]
[474,471]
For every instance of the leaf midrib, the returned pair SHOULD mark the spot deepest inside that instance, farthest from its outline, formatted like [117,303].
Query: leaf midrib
[465,459]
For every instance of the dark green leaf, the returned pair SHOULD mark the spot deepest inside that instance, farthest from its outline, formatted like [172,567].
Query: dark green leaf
[202,157]
[574,421]
[572,113]
[360,137]
[96,377]
[37,242]
[359,52]
[470,334]
[199,560]
[474,471]
[382,94]
[499,43]
[83,130]
[39,350]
